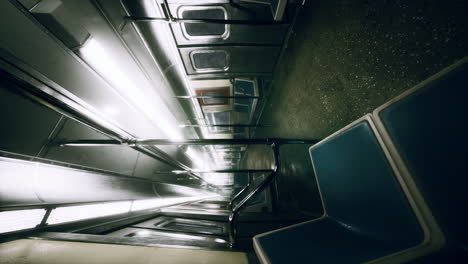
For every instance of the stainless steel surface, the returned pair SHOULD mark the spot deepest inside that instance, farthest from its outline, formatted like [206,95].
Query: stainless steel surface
[60,72]
[48,93]
[32,183]
[167,223]
[196,21]
[159,40]
[218,96]
[223,171]
[33,132]
[146,142]
[171,238]
[143,53]
[194,213]
[222,125]
[243,28]
[64,80]
[246,187]
[239,141]
[53,96]
[233,216]
[246,60]
[151,44]
[130,236]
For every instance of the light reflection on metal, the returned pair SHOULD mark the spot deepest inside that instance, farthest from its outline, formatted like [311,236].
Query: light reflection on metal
[161,202]
[42,90]
[158,239]
[222,125]
[243,190]
[150,142]
[239,141]
[81,212]
[25,184]
[220,171]
[218,97]
[197,21]
[105,64]
[169,51]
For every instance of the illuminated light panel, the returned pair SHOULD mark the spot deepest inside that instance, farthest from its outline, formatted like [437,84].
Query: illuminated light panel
[20,219]
[81,212]
[112,70]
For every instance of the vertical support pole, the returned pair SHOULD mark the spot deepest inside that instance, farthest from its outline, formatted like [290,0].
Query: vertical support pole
[246,187]
[236,210]
[46,216]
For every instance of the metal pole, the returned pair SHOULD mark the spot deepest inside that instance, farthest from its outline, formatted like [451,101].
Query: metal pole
[151,142]
[222,125]
[221,171]
[236,210]
[217,97]
[198,21]
[238,141]
[246,187]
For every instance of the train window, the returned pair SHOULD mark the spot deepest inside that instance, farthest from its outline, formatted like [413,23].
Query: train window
[209,60]
[81,212]
[204,30]
[20,219]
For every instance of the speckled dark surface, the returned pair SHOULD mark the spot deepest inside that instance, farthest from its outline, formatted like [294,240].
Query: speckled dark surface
[347,57]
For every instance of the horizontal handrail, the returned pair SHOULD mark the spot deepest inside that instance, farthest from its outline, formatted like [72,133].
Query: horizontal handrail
[152,142]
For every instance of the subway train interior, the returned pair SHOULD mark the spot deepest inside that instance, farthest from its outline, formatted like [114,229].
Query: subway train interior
[233,131]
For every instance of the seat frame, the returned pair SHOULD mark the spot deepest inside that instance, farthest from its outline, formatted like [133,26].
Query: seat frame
[433,237]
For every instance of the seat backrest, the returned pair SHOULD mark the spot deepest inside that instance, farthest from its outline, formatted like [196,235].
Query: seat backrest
[426,126]
[359,188]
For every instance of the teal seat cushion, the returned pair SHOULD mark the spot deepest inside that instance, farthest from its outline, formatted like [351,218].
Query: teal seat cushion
[367,213]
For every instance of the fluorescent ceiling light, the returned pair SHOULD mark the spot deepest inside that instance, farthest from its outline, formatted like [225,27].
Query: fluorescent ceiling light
[81,212]
[138,92]
[20,219]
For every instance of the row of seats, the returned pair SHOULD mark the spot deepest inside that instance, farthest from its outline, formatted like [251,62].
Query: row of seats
[393,184]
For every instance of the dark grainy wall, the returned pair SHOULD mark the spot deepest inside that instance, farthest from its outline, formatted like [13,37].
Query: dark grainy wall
[344,59]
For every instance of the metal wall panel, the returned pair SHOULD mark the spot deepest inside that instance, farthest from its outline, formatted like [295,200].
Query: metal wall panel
[24,37]
[36,183]
[147,167]
[235,34]
[119,159]
[28,182]
[20,132]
